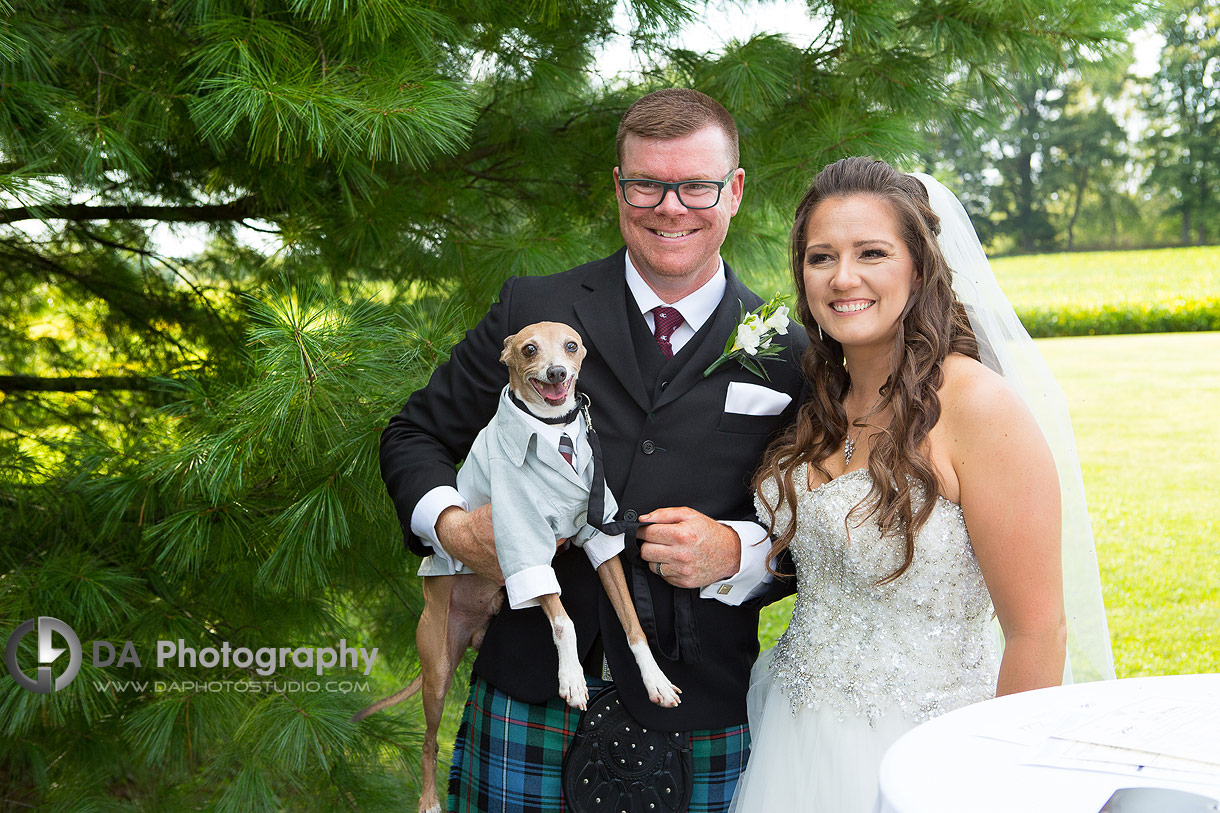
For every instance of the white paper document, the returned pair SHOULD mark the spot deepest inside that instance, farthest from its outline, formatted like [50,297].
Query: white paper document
[1189,729]
[1157,737]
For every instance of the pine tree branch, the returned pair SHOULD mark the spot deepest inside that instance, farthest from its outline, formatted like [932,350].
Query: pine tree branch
[391,583]
[51,440]
[238,209]
[37,260]
[99,383]
[152,255]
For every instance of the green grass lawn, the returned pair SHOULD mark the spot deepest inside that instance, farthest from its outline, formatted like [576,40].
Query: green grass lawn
[1096,278]
[1145,413]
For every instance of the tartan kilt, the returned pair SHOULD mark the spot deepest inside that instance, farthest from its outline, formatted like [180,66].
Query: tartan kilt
[508,756]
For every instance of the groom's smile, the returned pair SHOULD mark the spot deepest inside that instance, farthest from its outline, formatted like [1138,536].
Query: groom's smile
[675,248]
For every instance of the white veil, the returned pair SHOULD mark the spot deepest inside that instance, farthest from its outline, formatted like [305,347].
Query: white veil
[1006,347]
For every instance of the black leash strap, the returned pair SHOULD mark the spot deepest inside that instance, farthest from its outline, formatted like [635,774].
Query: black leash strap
[685,645]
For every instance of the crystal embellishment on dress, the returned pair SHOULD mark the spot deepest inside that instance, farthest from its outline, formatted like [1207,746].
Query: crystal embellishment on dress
[919,645]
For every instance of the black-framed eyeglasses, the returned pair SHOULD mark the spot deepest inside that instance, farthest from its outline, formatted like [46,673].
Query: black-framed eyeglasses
[646,193]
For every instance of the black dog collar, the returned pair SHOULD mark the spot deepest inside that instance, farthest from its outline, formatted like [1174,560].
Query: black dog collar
[562,419]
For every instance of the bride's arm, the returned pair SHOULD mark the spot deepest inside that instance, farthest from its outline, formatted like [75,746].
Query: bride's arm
[1010,498]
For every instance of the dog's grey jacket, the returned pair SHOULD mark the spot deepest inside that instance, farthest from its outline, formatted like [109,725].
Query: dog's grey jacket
[538,498]
[667,441]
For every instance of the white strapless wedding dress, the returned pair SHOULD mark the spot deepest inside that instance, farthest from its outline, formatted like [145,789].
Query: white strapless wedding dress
[862,664]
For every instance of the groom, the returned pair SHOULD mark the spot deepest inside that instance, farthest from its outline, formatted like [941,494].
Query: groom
[679,449]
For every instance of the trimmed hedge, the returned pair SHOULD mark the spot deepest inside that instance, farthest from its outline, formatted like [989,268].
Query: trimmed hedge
[1180,317]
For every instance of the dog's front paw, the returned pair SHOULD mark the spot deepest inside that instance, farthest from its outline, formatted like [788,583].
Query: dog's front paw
[662,692]
[574,690]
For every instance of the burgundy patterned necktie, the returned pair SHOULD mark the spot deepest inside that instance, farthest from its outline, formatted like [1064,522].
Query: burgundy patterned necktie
[567,450]
[665,321]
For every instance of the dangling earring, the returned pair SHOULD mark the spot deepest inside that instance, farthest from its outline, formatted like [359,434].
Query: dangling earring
[820,338]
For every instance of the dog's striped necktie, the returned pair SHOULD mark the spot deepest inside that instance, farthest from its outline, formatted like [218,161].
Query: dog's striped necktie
[567,450]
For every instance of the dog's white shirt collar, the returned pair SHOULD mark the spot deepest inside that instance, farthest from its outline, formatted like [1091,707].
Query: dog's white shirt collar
[548,433]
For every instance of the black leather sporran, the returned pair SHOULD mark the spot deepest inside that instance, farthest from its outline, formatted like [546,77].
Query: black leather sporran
[615,765]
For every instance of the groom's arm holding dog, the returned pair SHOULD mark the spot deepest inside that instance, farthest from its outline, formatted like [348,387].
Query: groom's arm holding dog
[435,430]
[422,445]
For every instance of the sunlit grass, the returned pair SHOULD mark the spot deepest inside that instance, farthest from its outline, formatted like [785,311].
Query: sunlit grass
[1144,409]
[1097,278]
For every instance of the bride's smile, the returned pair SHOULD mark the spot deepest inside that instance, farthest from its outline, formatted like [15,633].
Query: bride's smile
[858,272]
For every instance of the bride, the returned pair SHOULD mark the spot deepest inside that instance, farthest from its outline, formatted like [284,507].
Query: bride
[916,495]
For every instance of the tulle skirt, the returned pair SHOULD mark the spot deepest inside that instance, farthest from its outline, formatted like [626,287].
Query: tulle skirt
[810,761]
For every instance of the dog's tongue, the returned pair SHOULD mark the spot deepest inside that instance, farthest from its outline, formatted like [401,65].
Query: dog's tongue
[553,393]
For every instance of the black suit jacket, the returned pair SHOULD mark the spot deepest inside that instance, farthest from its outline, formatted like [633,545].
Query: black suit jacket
[697,455]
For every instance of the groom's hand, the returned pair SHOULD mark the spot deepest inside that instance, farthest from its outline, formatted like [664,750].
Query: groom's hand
[468,537]
[692,549]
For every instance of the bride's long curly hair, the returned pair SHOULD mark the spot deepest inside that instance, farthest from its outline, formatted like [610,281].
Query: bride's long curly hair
[933,325]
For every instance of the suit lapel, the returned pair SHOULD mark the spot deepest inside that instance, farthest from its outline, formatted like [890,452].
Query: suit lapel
[723,323]
[603,315]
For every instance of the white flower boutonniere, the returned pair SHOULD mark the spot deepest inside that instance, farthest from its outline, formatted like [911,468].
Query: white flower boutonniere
[753,338]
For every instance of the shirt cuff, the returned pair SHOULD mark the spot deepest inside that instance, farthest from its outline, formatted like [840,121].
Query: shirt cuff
[525,586]
[601,548]
[425,514]
[752,579]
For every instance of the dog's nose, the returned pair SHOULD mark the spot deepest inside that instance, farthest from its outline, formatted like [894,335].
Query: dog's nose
[556,373]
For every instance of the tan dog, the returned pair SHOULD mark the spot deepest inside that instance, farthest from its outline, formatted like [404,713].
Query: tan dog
[543,362]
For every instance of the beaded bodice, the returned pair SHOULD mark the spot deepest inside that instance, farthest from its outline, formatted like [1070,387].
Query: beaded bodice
[920,645]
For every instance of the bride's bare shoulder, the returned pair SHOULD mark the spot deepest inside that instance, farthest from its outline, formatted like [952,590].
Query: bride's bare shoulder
[974,395]
[975,399]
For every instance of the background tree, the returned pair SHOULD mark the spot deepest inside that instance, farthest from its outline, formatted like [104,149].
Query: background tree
[1020,162]
[1086,159]
[1049,158]
[1182,103]
[214,478]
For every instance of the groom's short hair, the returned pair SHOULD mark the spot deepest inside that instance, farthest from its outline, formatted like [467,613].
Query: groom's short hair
[673,113]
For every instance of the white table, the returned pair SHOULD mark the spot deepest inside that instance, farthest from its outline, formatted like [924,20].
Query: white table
[975,759]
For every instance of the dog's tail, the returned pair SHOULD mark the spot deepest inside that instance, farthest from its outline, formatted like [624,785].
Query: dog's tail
[393,700]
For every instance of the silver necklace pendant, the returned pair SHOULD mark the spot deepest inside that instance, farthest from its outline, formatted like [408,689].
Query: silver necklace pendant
[849,446]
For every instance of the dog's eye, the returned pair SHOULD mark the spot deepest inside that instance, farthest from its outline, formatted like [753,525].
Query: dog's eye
[571,347]
[529,350]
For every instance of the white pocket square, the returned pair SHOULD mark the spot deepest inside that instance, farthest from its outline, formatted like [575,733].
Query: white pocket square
[751,399]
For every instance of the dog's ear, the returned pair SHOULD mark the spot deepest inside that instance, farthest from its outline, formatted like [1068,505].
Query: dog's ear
[507,352]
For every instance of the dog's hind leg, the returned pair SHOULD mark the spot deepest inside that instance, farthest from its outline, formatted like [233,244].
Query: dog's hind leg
[457,610]
[660,690]
[432,642]
[572,686]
